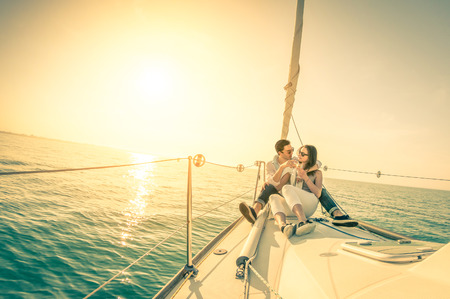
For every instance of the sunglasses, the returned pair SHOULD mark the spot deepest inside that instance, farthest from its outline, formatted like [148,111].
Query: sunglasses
[302,154]
[290,151]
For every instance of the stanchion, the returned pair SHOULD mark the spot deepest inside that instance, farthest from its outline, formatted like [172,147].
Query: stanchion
[199,160]
[258,177]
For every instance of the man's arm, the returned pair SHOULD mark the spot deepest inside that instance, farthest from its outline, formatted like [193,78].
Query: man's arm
[286,177]
[279,172]
[317,166]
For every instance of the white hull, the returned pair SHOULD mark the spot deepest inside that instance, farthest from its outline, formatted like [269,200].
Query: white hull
[316,266]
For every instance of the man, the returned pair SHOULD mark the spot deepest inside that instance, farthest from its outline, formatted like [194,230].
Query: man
[273,184]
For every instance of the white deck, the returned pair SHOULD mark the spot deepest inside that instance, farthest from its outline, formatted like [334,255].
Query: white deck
[316,266]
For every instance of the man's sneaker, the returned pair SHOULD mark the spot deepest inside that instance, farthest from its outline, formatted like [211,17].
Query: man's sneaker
[304,228]
[288,230]
[344,221]
[248,212]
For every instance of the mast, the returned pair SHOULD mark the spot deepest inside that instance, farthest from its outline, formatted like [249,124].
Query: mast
[294,70]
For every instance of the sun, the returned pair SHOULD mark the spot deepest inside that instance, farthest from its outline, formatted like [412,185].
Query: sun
[153,81]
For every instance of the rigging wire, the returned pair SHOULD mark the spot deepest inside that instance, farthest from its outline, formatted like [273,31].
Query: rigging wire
[219,206]
[264,281]
[395,175]
[127,165]
[200,216]
[227,166]
[133,263]
[105,167]
[165,239]
[295,126]
[248,266]
[160,243]
[87,168]
[366,172]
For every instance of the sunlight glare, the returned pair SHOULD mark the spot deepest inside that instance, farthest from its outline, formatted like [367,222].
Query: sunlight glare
[142,185]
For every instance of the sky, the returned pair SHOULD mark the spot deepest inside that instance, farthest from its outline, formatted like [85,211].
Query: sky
[177,78]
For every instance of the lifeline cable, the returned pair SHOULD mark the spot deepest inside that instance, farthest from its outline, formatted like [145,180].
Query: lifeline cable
[129,266]
[157,245]
[86,168]
[126,165]
[366,172]
[220,165]
[395,175]
[227,202]
[227,166]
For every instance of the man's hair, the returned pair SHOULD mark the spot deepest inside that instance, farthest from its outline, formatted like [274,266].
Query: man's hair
[279,146]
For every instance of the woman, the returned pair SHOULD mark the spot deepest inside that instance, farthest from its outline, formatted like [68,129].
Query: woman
[302,195]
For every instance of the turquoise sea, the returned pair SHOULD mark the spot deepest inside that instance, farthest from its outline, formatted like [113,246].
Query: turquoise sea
[64,234]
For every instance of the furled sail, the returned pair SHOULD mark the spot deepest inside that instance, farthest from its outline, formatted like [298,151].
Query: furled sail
[294,70]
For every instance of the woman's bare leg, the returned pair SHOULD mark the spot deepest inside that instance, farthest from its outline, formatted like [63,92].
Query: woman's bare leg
[280,219]
[298,211]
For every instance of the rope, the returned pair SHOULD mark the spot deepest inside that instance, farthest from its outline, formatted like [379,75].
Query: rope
[87,168]
[341,231]
[324,212]
[369,232]
[396,175]
[246,273]
[246,281]
[264,281]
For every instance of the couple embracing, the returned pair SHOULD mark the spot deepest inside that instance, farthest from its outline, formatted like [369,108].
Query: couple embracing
[294,185]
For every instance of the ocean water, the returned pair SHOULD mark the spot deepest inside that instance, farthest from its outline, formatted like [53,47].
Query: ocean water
[64,234]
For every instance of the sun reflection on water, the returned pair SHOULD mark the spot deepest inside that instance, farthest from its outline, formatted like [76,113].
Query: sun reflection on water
[142,185]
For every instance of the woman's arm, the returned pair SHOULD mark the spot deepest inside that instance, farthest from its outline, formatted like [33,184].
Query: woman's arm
[316,187]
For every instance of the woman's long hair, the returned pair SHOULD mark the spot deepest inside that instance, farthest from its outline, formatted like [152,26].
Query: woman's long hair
[312,156]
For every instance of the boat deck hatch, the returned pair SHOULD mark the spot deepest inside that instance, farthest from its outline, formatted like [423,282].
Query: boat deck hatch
[393,251]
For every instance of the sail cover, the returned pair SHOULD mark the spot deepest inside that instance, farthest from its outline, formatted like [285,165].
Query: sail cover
[294,70]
